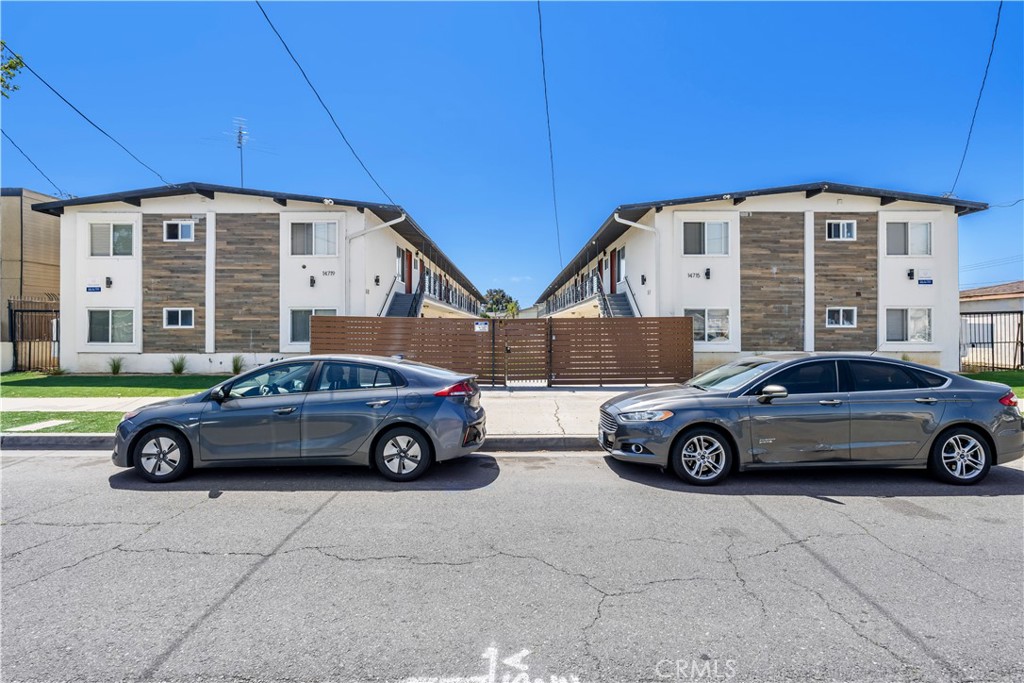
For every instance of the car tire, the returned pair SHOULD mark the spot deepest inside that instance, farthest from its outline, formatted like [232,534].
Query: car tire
[162,455]
[702,457]
[402,454]
[960,456]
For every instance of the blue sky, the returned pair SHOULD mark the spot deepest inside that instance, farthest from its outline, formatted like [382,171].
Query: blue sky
[444,103]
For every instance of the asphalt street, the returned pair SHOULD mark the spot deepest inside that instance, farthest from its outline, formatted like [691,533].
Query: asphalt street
[506,570]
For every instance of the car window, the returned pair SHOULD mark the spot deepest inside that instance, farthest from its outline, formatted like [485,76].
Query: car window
[343,376]
[929,379]
[285,378]
[732,375]
[868,376]
[806,378]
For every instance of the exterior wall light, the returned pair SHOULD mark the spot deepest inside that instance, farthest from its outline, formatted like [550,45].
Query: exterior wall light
[707,273]
[110,283]
[376,280]
[910,273]
[643,279]
[312,281]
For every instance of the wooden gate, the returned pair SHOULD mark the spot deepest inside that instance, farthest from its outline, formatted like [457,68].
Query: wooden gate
[503,352]
[35,333]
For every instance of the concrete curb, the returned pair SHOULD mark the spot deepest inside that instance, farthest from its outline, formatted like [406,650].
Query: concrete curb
[105,442]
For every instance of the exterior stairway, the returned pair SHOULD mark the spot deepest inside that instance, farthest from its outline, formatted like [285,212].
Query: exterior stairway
[403,306]
[618,305]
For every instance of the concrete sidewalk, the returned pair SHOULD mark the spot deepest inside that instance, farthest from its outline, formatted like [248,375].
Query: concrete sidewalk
[518,419]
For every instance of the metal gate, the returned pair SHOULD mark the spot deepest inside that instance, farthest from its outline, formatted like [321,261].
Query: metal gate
[35,333]
[992,341]
[525,342]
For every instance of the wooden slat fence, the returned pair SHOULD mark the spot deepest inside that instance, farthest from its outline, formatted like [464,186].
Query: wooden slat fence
[545,351]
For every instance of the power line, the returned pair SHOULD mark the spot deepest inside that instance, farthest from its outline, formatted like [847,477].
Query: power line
[1006,206]
[91,122]
[322,103]
[977,103]
[60,192]
[995,263]
[551,146]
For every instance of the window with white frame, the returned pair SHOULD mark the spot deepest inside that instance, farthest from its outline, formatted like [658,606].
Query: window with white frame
[909,238]
[709,324]
[300,322]
[179,231]
[110,239]
[706,237]
[620,263]
[179,317]
[840,231]
[400,268]
[841,317]
[111,326]
[908,325]
[316,238]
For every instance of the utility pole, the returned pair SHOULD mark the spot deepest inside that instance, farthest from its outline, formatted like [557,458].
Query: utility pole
[241,136]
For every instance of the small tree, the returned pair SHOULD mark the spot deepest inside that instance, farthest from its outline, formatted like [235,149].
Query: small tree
[10,65]
[512,309]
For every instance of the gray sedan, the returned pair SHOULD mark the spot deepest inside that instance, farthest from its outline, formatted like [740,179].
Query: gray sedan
[819,411]
[395,415]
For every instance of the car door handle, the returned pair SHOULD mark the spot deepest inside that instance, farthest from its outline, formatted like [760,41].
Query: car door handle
[928,400]
[285,411]
[832,402]
[378,404]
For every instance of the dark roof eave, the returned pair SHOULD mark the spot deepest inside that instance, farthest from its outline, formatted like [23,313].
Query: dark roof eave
[633,212]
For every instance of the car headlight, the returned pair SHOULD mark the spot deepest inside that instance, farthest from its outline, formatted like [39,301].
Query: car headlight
[128,416]
[646,416]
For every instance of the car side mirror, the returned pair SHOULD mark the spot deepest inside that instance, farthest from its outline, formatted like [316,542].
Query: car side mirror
[771,392]
[218,394]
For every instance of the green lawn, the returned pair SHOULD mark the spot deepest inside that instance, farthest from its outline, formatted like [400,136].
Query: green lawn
[1015,378]
[98,423]
[38,385]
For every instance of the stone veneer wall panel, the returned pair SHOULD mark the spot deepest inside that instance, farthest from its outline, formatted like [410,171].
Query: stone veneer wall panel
[846,274]
[173,276]
[248,282]
[772,281]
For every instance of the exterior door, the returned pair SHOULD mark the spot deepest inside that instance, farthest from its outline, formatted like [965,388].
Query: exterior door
[812,424]
[260,416]
[408,272]
[614,276]
[345,407]
[892,415]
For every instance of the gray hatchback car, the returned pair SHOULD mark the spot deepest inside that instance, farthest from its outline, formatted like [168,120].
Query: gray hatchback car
[396,415]
[820,411]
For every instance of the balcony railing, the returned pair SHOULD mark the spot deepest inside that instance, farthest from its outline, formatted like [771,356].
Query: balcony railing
[437,289]
[576,294]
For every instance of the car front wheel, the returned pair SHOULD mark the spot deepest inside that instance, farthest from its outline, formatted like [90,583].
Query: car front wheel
[402,454]
[162,455]
[702,457]
[960,456]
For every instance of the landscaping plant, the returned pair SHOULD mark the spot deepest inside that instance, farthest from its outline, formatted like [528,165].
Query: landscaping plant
[178,364]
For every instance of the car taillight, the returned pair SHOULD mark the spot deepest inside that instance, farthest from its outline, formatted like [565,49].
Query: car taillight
[460,389]
[1010,400]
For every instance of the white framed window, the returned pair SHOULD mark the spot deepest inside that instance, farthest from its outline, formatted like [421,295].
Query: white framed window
[111,326]
[908,238]
[709,324]
[111,239]
[300,322]
[315,238]
[705,237]
[841,231]
[179,317]
[179,231]
[620,263]
[841,317]
[908,325]
[400,265]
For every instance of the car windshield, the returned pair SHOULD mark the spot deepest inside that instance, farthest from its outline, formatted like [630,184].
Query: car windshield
[728,377]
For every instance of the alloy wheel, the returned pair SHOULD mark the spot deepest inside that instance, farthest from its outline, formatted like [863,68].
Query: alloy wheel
[402,454]
[703,457]
[963,456]
[160,455]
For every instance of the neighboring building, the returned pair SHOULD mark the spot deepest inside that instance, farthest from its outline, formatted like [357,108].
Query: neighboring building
[211,271]
[815,267]
[1005,298]
[29,258]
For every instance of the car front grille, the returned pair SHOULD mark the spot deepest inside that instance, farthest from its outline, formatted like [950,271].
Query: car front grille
[608,423]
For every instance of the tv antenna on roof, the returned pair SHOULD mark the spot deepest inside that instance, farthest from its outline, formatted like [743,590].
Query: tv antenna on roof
[241,137]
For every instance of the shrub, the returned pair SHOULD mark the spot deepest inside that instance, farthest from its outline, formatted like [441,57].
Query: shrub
[115,365]
[55,371]
[178,364]
[237,364]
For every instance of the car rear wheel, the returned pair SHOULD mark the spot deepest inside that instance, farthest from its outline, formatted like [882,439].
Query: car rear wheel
[702,457]
[162,455]
[402,454]
[960,456]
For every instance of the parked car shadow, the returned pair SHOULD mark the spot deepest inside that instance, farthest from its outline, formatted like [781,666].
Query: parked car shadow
[826,484]
[463,474]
